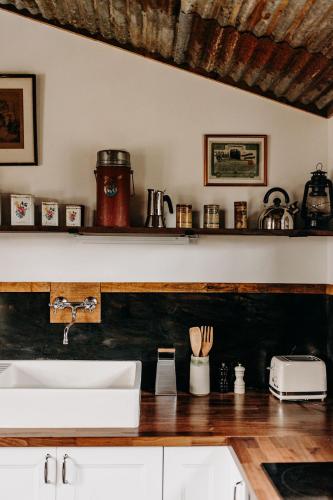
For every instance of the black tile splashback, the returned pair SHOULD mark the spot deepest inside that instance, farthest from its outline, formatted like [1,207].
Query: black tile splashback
[249,328]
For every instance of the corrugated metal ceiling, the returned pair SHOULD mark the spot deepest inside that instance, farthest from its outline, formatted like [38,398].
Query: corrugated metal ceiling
[282,49]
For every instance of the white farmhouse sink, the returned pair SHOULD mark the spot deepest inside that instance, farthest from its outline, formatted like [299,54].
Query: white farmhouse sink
[70,394]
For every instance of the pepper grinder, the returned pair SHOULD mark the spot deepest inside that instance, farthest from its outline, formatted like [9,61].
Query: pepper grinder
[224,384]
[239,381]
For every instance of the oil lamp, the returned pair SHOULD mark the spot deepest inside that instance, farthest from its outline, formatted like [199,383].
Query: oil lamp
[317,205]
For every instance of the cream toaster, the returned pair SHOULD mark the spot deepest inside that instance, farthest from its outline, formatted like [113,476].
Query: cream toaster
[298,377]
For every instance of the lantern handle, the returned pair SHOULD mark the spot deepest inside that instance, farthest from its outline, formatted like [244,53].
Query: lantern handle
[319,166]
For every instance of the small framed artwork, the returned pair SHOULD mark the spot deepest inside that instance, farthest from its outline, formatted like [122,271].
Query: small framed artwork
[18,124]
[235,160]
[50,213]
[22,210]
[74,215]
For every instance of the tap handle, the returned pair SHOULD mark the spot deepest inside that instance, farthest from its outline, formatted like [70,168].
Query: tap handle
[90,303]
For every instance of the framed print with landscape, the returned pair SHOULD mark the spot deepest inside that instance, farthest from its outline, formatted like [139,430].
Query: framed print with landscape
[18,135]
[235,160]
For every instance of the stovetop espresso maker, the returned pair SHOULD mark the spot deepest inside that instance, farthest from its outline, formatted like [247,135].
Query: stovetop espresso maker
[155,208]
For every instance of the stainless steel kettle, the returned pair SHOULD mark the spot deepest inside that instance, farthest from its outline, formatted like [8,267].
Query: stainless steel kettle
[278,215]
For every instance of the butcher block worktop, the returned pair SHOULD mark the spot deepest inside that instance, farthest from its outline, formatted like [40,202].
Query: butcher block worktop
[256,425]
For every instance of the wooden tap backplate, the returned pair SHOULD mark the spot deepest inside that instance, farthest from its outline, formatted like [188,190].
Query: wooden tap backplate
[75,292]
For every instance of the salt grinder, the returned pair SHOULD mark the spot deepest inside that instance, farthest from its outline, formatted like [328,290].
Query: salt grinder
[239,381]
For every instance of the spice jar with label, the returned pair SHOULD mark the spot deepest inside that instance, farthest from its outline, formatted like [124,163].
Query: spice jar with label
[240,214]
[211,216]
[184,216]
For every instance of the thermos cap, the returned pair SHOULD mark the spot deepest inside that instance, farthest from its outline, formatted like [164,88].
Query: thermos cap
[111,157]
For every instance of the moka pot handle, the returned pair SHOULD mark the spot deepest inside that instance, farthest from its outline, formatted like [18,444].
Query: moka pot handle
[167,199]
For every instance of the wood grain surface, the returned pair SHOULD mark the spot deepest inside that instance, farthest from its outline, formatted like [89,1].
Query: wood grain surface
[257,426]
[178,287]
[189,420]
[164,287]
[253,451]
[75,292]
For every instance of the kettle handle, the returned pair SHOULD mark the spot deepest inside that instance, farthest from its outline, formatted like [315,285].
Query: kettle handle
[166,198]
[277,189]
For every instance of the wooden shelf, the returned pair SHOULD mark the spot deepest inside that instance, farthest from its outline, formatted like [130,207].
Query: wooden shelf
[37,229]
[144,231]
[139,231]
[293,233]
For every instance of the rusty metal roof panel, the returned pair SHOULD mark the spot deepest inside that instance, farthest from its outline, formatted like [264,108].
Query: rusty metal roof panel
[279,48]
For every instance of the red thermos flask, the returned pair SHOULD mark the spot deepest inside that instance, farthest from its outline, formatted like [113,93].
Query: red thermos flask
[113,178]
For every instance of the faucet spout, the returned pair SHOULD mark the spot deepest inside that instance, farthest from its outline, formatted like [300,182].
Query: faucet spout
[67,327]
[66,330]
[89,304]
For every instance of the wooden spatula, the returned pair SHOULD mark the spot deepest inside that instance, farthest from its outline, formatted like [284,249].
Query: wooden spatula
[207,340]
[195,339]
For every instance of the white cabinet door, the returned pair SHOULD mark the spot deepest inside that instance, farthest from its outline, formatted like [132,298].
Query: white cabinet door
[203,472]
[238,483]
[27,473]
[196,473]
[118,473]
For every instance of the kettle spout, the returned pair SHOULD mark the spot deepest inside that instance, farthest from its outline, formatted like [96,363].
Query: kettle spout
[293,208]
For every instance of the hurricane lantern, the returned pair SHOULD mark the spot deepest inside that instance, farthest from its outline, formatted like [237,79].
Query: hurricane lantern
[317,205]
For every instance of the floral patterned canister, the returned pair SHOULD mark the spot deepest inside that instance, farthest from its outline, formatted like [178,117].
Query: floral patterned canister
[74,215]
[22,210]
[50,213]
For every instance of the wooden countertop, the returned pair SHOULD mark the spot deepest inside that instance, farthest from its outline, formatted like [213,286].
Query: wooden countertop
[257,425]
[188,420]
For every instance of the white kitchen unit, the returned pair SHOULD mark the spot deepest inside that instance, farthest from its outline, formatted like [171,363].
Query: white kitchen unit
[104,473]
[123,473]
[203,472]
[28,473]
[77,394]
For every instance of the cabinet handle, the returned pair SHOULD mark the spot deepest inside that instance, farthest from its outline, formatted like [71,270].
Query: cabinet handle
[64,470]
[235,489]
[46,469]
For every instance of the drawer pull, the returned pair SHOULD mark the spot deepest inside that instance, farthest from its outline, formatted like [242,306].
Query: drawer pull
[64,470]
[46,469]
[235,489]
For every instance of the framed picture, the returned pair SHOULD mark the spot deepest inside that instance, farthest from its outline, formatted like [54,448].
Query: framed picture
[18,134]
[22,210]
[235,160]
[50,213]
[74,215]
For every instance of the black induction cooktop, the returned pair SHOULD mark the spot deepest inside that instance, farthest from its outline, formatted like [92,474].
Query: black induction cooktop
[307,480]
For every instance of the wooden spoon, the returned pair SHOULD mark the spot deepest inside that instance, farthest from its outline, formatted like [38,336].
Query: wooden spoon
[207,340]
[195,339]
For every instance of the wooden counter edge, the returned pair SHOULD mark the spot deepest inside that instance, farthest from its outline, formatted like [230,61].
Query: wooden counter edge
[177,287]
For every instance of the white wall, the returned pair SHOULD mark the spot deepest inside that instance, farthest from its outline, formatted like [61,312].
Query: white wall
[93,96]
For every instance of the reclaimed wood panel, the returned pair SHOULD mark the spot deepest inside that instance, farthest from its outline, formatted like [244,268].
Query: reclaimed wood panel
[15,287]
[165,287]
[75,292]
[177,287]
[153,287]
[41,286]
[281,288]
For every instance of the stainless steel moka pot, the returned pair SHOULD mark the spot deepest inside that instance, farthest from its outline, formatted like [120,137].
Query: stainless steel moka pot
[155,208]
